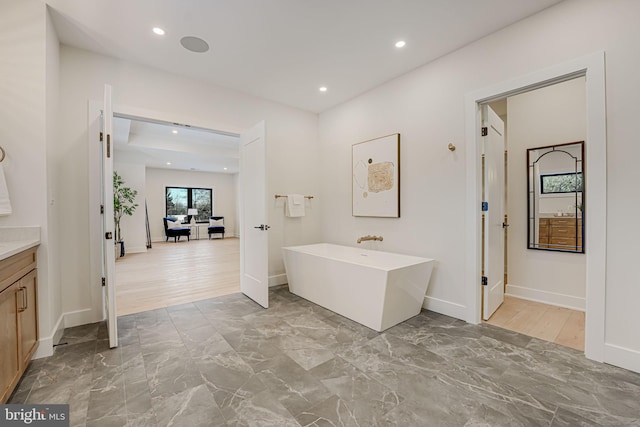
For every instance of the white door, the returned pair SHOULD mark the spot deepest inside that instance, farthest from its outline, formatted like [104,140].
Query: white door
[254,240]
[493,145]
[108,225]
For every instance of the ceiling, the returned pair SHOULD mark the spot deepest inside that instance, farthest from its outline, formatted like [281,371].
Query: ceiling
[164,145]
[284,50]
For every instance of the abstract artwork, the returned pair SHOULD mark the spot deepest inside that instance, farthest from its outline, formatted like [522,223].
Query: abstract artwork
[376,177]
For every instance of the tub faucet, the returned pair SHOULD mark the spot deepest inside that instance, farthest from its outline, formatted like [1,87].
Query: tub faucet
[367,237]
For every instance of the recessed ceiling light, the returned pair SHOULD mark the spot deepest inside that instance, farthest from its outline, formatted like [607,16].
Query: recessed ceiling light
[159,31]
[168,163]
[194,44]
[174,131]
[400,43]
[225,168]
[322,89]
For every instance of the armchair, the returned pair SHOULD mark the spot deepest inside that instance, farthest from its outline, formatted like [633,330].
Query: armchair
[175,232]
[216,226]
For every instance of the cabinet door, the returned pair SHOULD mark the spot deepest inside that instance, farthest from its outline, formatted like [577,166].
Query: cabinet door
[27,307]
[9,367]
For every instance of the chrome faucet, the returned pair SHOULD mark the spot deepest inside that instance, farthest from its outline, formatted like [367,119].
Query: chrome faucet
[367,237]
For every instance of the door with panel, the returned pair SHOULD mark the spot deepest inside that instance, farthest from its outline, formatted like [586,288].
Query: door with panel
[494,193]
[254,239]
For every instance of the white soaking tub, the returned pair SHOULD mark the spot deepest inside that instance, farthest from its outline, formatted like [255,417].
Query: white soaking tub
[376,289]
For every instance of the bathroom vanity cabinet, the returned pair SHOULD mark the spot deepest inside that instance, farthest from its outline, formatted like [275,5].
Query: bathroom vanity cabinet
[18,318]
[561,233]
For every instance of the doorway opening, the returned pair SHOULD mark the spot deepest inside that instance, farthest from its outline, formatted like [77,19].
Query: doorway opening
[595,191]
[543,280]
[155,158]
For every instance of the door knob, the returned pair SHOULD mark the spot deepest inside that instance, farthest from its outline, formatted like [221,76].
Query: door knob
[263,227]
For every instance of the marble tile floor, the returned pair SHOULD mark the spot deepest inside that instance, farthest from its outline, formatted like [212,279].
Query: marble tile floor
[228,362]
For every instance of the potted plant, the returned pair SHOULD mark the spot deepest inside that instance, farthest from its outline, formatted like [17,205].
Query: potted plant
[123,204]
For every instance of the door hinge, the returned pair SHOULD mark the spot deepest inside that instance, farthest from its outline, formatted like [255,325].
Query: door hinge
[104,282]
[485,206]
[484,131]
[108,146]
[101,137]
[485,281]
[101,209]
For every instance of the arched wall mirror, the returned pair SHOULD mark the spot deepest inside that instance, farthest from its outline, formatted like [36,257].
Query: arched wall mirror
[556,197]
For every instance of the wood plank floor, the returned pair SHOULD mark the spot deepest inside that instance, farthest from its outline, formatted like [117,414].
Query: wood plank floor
[176,273]
[550,323]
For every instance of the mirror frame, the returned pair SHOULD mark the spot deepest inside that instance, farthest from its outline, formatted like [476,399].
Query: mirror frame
[579,168]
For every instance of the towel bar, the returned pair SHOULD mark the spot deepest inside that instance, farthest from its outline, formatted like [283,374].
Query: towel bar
[277,196]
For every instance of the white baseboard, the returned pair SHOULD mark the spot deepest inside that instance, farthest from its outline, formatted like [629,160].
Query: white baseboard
[546,297]
[445,307]
[80,317]
[278,279]
[45,344]
[622,357]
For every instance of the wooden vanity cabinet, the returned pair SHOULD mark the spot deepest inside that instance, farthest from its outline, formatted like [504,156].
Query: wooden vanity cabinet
[18,318]
[560,233]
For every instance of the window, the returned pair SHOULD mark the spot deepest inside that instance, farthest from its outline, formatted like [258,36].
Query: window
[561,183]
[179,199]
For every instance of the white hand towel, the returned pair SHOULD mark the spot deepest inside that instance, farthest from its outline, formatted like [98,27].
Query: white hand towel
[295,205]
[5,202]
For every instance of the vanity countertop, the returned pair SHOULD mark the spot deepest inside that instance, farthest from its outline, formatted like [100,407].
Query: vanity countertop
[14,240]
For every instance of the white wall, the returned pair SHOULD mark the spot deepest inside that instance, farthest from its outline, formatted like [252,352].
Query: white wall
[28,89]
[224,197]
[291,152]
[547,116]
[426,107]
[133,228]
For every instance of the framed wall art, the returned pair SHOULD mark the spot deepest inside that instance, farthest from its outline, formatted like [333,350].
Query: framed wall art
[376,177]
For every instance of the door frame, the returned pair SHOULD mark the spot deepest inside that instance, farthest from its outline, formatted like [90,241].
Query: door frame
[593,67]
[96,312]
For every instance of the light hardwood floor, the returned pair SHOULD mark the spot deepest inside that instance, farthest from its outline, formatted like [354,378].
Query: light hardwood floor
[176,273]
[547,322]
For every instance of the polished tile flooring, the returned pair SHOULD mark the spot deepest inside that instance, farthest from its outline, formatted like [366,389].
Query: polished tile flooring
[226,361]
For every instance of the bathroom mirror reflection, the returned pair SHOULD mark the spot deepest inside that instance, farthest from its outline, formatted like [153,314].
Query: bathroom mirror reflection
[556,197]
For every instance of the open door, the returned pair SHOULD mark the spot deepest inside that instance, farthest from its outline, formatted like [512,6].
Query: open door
[108,226]
[493,245]
[254,240]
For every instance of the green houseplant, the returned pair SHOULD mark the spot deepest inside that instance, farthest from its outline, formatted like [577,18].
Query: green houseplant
[123,204]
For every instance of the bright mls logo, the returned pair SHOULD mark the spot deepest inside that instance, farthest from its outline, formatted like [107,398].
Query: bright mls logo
[34,415]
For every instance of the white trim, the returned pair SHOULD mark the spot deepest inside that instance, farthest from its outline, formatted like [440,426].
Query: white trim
[45,344]
[546,297]
[80,317]
[622,357]
[593,66]
[445,307]
[278,279]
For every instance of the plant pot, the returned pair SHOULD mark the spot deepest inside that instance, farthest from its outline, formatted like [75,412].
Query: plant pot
[119,249]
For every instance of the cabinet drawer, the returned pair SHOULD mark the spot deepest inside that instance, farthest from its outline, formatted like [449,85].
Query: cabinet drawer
[563,222]
[15,267]
[565,242]
[563,231]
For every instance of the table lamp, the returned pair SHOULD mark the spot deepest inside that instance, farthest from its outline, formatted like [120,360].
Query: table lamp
[193,213]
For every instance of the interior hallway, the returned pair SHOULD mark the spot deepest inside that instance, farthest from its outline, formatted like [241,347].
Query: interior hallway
[177,273]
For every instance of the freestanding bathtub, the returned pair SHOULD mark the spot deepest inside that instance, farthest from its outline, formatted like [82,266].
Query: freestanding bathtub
[376,289]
